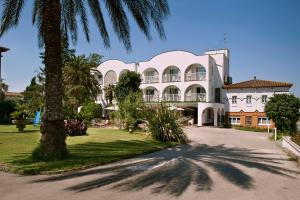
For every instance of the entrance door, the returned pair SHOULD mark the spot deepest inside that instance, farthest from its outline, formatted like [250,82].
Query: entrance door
[248,121]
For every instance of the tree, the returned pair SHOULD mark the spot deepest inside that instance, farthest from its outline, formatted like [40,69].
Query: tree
[80,83]
[109,93]
[129,82]
[283,110]
[130,109]
[55,18]
[34,96]
[3,89]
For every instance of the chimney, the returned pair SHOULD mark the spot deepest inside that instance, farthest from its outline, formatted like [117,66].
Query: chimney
[136,65]
[254,77]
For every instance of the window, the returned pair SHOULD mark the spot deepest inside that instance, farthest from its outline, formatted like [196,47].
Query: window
[234,120]
[234,99]
[263,121]
[264,98]
[248,99]
[217,95]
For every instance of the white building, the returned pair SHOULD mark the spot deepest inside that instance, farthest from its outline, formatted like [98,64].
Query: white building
[201,84]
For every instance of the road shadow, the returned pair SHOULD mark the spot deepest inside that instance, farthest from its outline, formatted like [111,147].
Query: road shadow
[173,170]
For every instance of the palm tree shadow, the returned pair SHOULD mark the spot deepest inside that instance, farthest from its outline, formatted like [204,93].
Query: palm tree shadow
[172,171]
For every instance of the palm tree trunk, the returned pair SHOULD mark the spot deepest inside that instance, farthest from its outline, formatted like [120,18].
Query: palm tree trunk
[53,137]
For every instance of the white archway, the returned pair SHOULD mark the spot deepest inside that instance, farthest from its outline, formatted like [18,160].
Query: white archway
[110,78]
[195,72]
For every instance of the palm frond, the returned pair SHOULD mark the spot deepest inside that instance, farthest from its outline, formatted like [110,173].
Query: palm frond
[98,16]
[119,21]
[11,14]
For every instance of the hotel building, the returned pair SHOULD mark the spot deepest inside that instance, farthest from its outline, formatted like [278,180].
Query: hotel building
[200,84]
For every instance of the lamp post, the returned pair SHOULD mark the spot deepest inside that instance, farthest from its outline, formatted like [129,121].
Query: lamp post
[2,50]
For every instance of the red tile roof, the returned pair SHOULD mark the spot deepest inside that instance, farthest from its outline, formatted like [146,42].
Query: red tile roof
[12,94]
[255,83]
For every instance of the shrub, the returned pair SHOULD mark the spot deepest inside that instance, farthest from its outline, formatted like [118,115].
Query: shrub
[75,127]
[250,128]
[6,108]
[164,125]
[90,111]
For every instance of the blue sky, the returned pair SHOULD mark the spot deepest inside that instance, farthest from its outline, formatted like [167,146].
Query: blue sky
[262,35]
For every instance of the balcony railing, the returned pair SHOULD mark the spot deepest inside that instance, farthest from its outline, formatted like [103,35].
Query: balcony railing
[171,78]
[196,97]
[151,79]
[151,98]
[197,76]
[171,97]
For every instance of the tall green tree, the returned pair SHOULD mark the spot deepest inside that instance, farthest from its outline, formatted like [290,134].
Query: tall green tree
[283,110]
[55,18]
[34,96]
[80,83]
[129,82]
[109,92]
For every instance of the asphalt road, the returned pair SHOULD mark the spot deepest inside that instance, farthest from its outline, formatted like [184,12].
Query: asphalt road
[217,164]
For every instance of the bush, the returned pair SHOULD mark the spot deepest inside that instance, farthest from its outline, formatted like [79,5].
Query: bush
[250,128]
[75,127]
[6,108]
[90,111]
[164,125]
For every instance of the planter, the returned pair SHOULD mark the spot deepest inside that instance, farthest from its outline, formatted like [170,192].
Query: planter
[20,124]
[291,146]
[130,128]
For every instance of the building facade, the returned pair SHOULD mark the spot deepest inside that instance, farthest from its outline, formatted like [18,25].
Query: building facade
[199,84]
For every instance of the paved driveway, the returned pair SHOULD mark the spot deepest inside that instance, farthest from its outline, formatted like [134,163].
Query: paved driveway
[217,164]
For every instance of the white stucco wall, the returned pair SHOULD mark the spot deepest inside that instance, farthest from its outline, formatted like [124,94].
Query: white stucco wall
[256,101]
[180,59]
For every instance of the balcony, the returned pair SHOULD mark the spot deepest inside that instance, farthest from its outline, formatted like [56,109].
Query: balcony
[171,78]
[171,97]
[198,97]
[151,98]
[151,79]
[197,76]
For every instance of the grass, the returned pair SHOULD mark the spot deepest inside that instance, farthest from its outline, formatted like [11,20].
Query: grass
[100,146]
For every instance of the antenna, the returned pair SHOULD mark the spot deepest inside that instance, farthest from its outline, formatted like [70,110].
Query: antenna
[225,41]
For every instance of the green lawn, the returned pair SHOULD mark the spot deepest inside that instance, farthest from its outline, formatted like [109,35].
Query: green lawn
[98,147]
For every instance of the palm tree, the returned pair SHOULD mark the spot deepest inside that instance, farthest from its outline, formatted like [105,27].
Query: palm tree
[55,18]
[80,83]
[3,89]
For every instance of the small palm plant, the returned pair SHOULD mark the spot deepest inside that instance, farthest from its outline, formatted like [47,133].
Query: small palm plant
[164,125]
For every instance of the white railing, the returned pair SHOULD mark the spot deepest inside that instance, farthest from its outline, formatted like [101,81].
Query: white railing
[151,98]
[171,78]
[197,76]
[171,97]
[151,79]
[195,97]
